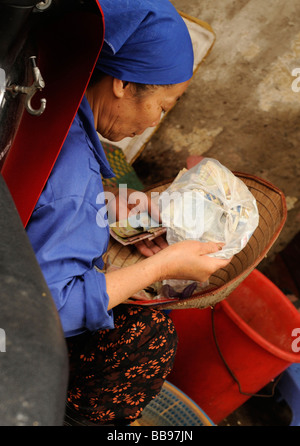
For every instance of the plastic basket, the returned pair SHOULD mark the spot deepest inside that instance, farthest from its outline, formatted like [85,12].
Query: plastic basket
[172,407]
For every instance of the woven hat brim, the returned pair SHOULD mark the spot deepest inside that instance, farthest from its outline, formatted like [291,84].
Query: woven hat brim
[272,217]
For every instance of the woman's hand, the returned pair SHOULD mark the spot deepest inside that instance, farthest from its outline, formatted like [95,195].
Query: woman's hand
[150,247]
[189,260]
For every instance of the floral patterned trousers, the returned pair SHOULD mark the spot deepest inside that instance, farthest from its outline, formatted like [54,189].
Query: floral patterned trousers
[115,373]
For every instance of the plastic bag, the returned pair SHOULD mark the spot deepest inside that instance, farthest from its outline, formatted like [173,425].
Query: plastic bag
[209,203]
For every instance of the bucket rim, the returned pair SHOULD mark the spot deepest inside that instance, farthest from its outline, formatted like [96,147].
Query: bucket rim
[290,357]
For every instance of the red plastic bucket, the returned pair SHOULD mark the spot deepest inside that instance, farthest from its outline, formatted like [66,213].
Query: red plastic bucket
[254,330]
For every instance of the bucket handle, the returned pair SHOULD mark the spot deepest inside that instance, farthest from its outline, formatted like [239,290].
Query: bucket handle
[229,369]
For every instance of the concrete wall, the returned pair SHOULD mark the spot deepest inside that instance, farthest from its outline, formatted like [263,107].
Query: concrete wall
[240,107]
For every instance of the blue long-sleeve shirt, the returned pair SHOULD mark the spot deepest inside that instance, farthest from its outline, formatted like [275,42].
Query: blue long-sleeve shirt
[68,230]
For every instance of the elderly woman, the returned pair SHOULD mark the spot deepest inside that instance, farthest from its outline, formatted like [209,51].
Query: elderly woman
[119,355]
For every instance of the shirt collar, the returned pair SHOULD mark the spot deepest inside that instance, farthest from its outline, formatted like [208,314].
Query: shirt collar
[86,116]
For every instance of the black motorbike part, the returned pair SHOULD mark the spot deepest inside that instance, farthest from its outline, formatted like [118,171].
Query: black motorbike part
[33,354]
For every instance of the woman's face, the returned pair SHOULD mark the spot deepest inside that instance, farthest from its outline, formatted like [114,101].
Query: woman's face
[127,113]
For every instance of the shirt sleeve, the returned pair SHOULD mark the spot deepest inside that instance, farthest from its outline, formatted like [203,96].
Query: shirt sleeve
[68,243]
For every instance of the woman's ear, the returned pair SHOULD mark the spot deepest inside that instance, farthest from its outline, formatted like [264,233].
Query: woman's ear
[119,87]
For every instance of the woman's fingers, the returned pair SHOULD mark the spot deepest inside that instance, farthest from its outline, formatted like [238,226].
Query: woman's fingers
[150,247]
[160,242]
[143,249]
[209,247]
[190,260]
[212,265]
[215,264]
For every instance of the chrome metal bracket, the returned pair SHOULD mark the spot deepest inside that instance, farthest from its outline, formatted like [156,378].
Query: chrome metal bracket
[38,84]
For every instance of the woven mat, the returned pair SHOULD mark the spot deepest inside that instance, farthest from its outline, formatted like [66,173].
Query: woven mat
[125,174]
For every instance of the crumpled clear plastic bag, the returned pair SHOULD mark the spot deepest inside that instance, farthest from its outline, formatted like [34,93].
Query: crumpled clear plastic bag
[209,203]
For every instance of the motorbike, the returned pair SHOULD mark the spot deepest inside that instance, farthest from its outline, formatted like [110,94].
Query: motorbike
[48,50]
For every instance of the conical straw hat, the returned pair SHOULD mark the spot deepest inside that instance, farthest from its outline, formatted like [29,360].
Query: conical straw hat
[272,212]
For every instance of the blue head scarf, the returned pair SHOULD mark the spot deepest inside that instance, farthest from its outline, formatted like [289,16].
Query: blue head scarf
[146,41]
